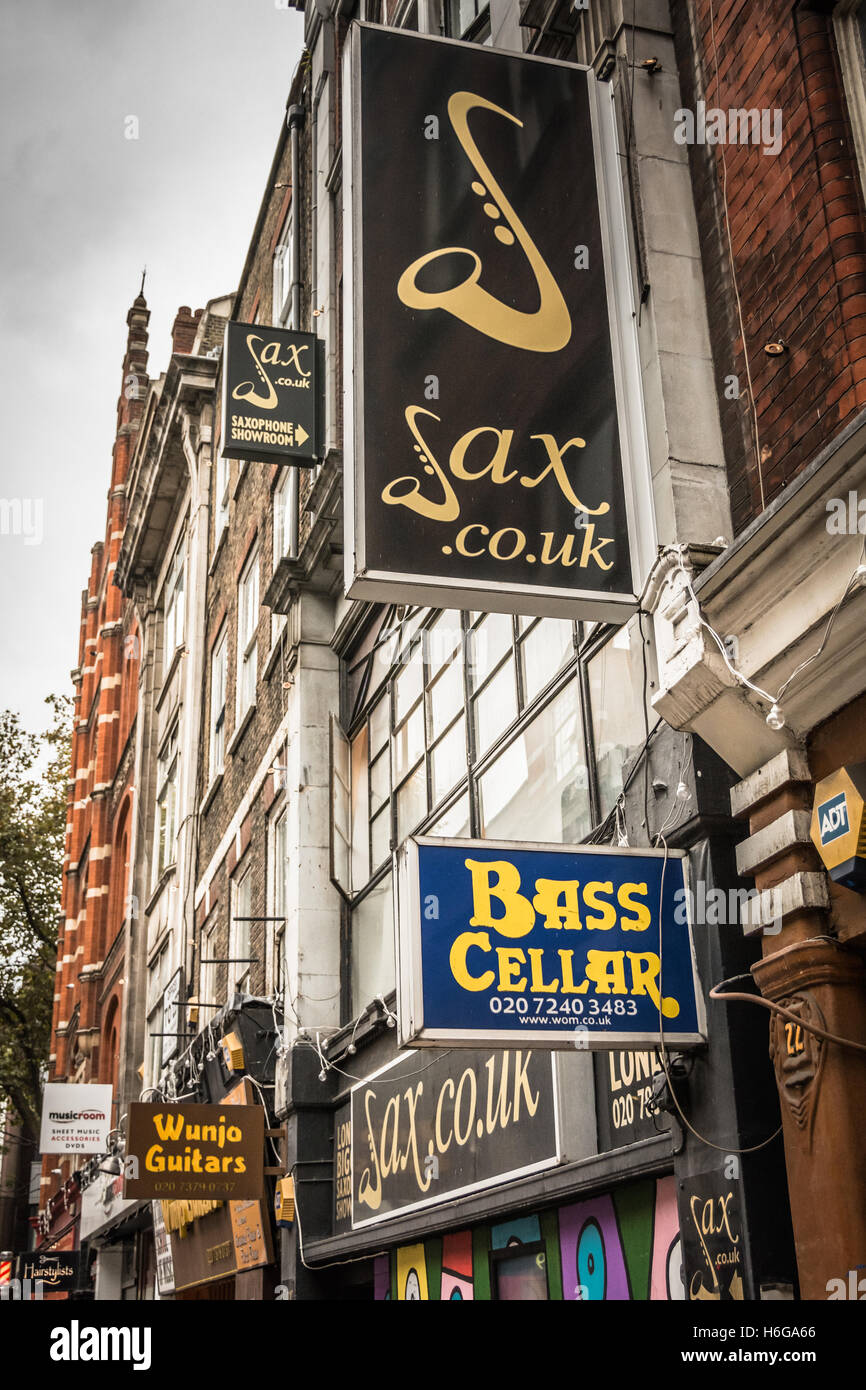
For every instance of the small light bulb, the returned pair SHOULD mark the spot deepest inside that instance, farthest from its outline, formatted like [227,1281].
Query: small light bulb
[860,576]
[776,718]
[682,792]
[351,1049]
[323,1075]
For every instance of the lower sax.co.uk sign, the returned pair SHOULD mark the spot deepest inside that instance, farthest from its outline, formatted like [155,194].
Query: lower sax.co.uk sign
[543,945]
[459,1123]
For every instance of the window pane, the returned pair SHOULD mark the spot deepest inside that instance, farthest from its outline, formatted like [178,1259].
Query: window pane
[495,707]
[360,813]
[379,724]
[408,744]
[380,837]
[448,761]
[454,823]
[372,947]
[412,802]
[380,782]
[537,789]
[618,727]
[445,697]
[490,640]
[407,684]
[547,648]
[443,639]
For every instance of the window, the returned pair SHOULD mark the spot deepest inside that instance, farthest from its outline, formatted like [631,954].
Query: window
[284,496]
[850,24]
[208,985]
[278,905]
[467,19]
[239,936]
[157,978]
[283,275]
[476,724]
[222,498]
[248,625]
[166,804]
[218,665]
[172,605]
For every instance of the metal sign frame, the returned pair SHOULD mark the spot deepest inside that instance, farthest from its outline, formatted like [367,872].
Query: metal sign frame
[363,582]
[413,1031]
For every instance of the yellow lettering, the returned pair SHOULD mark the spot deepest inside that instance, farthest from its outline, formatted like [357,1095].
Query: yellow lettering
[645,966]
[462,535]
[519,916]
[548,892]
[537,984]
[443,1145]
[624,897]
[607,971]
[457,960]
[510,960]
[568,985]
[154,1161]
[446,510]
[607,910]
[496,466]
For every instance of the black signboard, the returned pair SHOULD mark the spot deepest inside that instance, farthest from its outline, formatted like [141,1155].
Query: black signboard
[493,415]
[424,1131]
[713,1246]
[270,394]
[623,1092]
[58,1270]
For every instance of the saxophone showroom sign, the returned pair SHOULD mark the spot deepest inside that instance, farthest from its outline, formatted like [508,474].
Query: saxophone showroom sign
[543,946]
[270,394]
[465,1122]
[496,453]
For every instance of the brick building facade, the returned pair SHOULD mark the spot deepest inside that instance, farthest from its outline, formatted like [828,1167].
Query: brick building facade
[90,997]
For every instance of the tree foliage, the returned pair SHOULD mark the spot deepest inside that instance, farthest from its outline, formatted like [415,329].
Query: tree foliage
[33,775]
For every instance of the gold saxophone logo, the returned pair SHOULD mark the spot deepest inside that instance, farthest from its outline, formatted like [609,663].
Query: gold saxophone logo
[270,353]
[548,328]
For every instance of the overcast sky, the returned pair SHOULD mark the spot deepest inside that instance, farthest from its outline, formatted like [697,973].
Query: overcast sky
[82,210]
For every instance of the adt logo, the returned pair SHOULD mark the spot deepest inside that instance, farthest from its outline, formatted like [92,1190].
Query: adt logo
[833,818]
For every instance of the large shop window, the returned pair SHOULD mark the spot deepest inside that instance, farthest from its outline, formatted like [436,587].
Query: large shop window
[473,725]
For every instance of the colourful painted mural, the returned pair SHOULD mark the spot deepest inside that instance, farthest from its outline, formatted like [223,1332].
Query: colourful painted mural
[622,1245]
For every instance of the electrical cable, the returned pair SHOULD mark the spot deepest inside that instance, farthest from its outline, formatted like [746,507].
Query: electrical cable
[786,1013]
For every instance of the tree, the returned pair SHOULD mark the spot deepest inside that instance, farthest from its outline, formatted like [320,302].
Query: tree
[33,776]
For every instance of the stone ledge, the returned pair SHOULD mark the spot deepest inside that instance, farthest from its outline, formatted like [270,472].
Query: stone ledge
[788,831]
[802,892]
[791,765]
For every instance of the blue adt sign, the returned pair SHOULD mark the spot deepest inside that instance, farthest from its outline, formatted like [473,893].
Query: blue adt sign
[833,818]
[545,945]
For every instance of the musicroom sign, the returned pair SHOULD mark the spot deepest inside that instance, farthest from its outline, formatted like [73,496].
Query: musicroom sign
[270,394]
[75,1118]
[543,946]
[494,434]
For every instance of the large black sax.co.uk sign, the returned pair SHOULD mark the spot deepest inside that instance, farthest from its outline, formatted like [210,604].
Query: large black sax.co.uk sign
[425,1131]
[270,394]
[495,441]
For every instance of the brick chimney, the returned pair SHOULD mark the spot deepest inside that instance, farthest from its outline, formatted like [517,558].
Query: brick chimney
[184,328]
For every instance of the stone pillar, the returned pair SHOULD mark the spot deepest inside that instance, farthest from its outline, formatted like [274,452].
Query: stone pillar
[822,1086]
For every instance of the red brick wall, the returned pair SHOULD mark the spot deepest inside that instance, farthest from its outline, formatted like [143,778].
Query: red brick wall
[798,234]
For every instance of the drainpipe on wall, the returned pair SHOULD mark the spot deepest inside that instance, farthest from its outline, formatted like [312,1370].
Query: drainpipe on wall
[295,118]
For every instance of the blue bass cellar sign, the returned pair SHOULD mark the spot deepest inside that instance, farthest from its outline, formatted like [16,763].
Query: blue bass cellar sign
[543,945]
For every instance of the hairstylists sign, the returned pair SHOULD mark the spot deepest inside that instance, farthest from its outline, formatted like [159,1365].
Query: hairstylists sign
[543,946]
[494,433]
